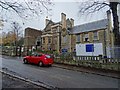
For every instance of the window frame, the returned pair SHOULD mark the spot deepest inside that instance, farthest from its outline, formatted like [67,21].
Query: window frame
[86,37]
[95,35]
[49,40]
[43,39]
[78,38]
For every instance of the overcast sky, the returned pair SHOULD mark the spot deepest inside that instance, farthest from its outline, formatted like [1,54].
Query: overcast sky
[69,7]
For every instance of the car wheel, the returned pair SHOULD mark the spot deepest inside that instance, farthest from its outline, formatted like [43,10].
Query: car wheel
[25,61]
[40,64]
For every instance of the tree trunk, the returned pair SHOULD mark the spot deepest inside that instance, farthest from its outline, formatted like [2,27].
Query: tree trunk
[113,6]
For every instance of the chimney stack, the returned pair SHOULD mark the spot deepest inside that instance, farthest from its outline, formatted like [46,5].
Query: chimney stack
[109,20]
[63,20]
[72,22]
[46,21]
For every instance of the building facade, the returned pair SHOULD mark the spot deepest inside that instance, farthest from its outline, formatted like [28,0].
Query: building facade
[93,33]
[32,38]
[63,36]
[56,36]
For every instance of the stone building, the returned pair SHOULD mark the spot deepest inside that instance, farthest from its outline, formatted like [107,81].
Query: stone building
[63,36]
[56,36]
[97,32]
[93,32]
[32,38]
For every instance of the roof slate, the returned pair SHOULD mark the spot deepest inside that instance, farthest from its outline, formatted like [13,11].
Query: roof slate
[101,24]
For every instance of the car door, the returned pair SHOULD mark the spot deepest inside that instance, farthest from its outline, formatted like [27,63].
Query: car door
[31,59]
[38,58]
[35,59]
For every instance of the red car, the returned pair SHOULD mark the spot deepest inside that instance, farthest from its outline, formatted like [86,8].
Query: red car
[40,59]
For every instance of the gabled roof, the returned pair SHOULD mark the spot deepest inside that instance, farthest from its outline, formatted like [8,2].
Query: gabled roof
[50,22]
[101,24]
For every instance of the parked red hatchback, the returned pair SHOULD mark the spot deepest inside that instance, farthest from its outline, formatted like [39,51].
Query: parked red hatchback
[40,59]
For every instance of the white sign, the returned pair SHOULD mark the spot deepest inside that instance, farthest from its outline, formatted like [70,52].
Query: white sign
[89,49]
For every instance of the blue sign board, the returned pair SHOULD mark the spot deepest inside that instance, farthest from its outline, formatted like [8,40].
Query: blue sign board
[64,50]
[89,48]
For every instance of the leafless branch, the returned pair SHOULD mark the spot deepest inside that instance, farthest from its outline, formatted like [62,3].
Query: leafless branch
[34,6]
[92,7]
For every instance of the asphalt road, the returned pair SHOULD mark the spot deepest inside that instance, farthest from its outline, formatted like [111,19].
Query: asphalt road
[57,77]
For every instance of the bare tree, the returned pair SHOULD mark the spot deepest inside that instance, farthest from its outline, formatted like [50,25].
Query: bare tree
[16,28]
[3,36]
[92,6]
[25,8]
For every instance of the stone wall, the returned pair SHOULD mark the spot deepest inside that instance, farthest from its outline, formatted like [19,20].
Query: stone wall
[31,36]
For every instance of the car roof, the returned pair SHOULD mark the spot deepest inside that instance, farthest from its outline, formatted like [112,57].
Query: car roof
[43,54]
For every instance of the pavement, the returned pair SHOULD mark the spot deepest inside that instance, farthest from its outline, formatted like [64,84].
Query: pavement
[102,72]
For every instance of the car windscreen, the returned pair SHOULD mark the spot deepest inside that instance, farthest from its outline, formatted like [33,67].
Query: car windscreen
[48,56]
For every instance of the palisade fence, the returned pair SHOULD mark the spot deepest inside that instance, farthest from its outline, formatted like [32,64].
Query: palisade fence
[114,52]
[89,61]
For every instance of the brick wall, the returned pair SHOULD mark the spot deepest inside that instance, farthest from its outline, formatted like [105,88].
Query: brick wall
[31,36]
